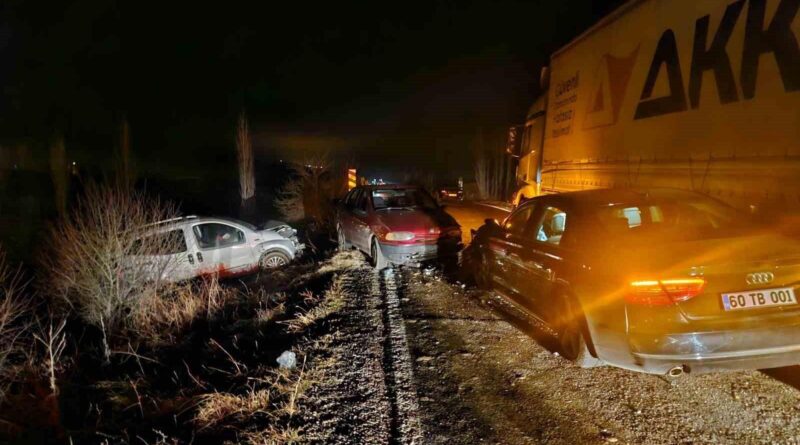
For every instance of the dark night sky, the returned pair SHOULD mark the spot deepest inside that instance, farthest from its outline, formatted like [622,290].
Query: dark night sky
[386,83]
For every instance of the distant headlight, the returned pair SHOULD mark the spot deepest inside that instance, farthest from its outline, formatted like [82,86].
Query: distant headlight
[399,236]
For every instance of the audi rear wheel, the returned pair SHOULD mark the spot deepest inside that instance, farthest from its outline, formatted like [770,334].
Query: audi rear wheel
[571,334]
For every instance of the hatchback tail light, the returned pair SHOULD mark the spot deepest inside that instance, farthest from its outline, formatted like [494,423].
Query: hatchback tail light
[664,292]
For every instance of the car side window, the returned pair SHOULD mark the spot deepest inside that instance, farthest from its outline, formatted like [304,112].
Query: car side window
[163,243]
[361,202]
[350,200]
[216,235]
[518,221]
[552,227]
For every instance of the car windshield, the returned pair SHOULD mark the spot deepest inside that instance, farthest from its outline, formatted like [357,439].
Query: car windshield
[402,198]
[243,224]
[673,220]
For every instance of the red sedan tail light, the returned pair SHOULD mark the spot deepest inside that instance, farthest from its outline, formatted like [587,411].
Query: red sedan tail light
[664,292]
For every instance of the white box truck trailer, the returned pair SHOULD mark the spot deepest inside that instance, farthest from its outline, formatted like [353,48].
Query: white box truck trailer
[693,94]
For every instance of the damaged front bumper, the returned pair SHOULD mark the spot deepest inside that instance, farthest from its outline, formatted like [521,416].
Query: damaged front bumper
[418,253]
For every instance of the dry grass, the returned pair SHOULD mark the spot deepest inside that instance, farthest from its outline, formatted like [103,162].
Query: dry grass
[343,261]
[275,396]
[332,301]
[217,408]
[275,436]
[162,315]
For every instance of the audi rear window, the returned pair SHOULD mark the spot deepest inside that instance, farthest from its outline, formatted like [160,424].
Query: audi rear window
[673,220]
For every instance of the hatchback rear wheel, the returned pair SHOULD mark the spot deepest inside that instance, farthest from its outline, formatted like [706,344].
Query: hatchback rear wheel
[273,260]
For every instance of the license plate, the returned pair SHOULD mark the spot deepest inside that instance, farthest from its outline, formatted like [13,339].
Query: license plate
[783,296]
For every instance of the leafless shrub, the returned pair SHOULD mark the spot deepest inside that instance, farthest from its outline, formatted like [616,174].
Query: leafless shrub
[308,195]
[53,340]
[14,309]
[102,258]
[290,201]
[244,157]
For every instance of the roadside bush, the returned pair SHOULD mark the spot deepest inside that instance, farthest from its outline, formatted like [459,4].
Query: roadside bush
[94,263]
[14,311]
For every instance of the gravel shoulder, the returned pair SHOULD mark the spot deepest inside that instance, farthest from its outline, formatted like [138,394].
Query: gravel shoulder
[481,379]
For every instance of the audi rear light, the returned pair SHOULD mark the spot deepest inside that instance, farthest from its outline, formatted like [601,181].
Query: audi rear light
[664,292]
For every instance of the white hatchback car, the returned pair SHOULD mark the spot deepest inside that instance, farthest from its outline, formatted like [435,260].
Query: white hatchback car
[194,246]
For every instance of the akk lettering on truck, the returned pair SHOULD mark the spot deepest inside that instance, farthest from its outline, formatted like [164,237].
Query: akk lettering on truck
[700,95]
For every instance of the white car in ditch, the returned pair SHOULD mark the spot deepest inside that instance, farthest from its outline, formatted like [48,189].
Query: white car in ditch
[183,248]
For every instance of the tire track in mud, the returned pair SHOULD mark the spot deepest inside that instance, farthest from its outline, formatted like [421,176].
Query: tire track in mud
[369,395]
[405,425]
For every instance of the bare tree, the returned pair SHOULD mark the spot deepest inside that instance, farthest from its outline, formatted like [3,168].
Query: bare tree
[99,260]
[125,169]
[59,174]
[246,162]
[308,193]
[13,310]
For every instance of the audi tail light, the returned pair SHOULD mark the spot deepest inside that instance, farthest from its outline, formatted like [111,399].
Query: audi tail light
[664,292]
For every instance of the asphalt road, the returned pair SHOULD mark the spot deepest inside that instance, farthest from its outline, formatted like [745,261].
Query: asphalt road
[471,215]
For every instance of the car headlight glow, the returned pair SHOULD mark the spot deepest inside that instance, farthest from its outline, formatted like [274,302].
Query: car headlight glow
[399,236]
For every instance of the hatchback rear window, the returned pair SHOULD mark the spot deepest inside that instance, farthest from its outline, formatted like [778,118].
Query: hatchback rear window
[402,198]
[674,220]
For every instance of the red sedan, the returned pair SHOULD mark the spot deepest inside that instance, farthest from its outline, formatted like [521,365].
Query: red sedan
[396,224]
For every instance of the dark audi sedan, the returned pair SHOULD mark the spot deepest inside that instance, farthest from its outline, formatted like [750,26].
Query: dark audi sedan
[660,281]
[396,224]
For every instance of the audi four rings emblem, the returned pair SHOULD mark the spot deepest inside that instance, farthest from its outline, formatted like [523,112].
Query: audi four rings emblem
[760,278]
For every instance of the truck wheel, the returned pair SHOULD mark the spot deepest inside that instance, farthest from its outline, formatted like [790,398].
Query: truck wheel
[273,260]
[570,334]
[376,258]
[341,239]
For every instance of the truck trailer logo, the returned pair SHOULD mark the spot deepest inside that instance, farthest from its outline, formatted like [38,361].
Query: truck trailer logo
[777,38]
[611,82]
